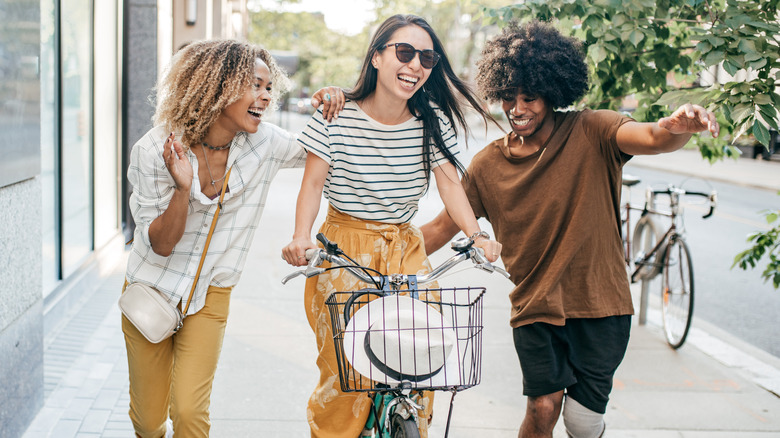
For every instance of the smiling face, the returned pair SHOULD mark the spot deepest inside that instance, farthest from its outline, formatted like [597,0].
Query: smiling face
[529,116]
[396,79]
[246,113]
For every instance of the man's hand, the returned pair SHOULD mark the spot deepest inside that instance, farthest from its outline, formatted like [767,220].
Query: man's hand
[689,119]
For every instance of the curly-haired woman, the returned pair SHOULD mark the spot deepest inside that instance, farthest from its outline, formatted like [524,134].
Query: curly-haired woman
[551,190]
[374,162]
[210,106]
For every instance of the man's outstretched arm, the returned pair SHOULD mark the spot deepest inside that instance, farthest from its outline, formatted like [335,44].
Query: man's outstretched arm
[668,134]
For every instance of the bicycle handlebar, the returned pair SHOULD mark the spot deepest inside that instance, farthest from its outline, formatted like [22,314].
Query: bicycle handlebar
[332,253]
[712,197]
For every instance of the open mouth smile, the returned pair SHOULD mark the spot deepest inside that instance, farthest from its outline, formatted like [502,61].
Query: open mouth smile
[518,122]
[408,81]
[256,112]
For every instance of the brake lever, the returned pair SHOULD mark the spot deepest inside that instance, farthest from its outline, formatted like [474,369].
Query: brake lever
[309,272]
[481,262]
[314,256]
[291,276]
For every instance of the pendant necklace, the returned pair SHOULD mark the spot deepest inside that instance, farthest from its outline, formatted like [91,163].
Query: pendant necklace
[208,168]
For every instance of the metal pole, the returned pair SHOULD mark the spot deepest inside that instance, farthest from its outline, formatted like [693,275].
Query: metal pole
[643,302]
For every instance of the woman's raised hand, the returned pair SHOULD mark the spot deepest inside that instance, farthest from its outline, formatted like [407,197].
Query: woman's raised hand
[332,99]
[177,163]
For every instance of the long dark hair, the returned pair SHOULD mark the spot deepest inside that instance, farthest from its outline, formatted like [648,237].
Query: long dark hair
[437,89]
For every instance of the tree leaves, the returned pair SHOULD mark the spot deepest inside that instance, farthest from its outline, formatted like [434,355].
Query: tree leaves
[765,243]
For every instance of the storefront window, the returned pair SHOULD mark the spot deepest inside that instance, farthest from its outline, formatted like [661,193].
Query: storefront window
[49,129]
[66,138]
[76,132]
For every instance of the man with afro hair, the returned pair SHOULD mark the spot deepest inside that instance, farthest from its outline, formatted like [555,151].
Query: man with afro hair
[551,190]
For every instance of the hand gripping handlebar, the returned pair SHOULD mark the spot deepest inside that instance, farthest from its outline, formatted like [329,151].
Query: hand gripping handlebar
[463,247]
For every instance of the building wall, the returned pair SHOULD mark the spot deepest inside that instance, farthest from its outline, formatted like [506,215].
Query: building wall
[21,317]
[21,334]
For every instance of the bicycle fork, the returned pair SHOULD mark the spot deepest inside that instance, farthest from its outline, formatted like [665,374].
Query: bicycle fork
[387,404]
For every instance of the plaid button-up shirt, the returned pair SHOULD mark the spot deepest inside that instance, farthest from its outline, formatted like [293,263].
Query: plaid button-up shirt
[255,159]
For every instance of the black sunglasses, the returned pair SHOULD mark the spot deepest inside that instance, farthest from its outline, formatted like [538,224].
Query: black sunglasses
[405,53]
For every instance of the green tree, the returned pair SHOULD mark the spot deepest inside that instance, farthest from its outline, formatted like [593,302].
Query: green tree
[674,49]
[326,57]
[765,243]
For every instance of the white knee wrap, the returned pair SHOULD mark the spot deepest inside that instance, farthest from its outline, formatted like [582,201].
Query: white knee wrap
[580,421]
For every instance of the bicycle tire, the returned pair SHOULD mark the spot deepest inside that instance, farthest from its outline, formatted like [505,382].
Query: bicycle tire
[646,235]
[677,292]
[403,428]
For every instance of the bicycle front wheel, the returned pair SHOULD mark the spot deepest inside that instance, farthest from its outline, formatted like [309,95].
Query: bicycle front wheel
[646,235]
[677,292]
[403,428]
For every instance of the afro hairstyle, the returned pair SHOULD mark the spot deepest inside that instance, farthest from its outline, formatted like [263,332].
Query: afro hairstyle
[536,59]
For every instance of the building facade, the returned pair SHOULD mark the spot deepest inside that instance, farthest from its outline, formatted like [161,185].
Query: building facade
[76,80]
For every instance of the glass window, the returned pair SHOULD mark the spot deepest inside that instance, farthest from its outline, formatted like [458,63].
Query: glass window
[49,129]
[76,132]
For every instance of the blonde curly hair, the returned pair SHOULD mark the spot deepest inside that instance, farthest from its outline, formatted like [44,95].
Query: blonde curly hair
[205,77]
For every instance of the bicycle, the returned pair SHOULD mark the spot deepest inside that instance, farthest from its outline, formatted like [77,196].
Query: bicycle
[666,254]
[391,341]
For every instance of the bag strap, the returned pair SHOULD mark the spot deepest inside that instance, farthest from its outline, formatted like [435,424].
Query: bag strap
[208,240]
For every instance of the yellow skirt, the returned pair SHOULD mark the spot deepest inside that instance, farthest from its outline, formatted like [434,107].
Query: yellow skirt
[388,248]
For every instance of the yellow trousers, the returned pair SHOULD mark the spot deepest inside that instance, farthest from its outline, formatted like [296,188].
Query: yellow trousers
[175,376]
[388,249]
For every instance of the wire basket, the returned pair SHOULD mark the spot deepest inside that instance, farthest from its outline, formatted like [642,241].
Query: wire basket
[386,340]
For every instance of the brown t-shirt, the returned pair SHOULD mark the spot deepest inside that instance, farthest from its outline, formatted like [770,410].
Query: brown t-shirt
[557,214]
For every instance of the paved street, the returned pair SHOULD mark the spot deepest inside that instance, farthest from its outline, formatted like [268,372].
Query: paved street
[715,386]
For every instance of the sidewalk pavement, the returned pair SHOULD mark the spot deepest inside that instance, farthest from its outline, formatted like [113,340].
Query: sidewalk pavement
[714,386]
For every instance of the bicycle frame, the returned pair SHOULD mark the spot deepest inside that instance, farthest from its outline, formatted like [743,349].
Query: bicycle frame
[671,233]
[674,213]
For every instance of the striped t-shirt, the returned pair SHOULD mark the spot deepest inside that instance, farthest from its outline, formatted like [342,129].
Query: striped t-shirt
[376,171]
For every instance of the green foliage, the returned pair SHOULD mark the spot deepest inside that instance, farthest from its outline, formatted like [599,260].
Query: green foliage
[325,57]
[765,243]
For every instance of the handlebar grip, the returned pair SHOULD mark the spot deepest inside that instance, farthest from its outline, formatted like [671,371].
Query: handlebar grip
[709,213]
[311,253]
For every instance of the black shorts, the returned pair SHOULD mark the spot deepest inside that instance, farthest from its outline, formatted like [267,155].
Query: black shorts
[580,357]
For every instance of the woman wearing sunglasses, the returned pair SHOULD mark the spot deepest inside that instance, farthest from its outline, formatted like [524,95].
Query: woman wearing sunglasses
[373,162]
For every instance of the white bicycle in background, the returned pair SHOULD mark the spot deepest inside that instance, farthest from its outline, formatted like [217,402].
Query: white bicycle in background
[649,251]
